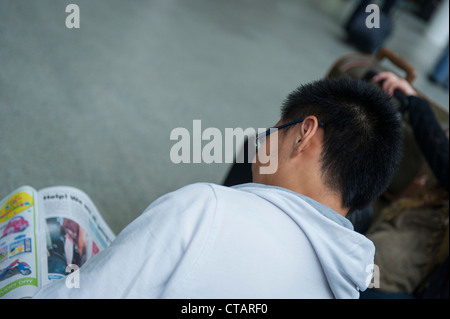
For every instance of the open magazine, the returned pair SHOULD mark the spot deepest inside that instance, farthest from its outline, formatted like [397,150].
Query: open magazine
[45,235]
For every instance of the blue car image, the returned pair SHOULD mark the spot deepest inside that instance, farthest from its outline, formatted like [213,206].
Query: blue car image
[15,268]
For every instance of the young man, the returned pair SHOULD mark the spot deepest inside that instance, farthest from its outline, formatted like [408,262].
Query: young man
[283,236]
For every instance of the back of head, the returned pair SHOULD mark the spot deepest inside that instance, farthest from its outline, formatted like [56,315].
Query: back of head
[362,145]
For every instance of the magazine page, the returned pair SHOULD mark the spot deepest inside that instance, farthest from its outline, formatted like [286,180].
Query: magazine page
[19,240]
[75,229]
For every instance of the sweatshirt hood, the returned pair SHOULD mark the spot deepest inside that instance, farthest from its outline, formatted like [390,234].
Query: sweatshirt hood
[347,257]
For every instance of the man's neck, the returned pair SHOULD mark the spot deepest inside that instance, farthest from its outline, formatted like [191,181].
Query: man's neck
[321,194]
[329,199]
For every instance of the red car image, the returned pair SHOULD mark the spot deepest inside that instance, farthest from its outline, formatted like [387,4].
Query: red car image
[15,268]
[17,224]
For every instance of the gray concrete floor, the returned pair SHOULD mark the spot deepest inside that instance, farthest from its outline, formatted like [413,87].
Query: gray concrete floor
[94,107]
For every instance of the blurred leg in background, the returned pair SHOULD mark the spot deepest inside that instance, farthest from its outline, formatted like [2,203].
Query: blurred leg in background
[440,71]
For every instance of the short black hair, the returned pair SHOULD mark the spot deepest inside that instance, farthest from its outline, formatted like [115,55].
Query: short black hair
[363,140]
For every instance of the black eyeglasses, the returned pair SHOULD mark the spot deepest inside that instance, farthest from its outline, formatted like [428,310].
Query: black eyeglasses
[261,137]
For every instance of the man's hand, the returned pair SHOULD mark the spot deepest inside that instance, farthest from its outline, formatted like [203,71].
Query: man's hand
[392,82]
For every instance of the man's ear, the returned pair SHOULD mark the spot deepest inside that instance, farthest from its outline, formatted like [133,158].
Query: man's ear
[308,130]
